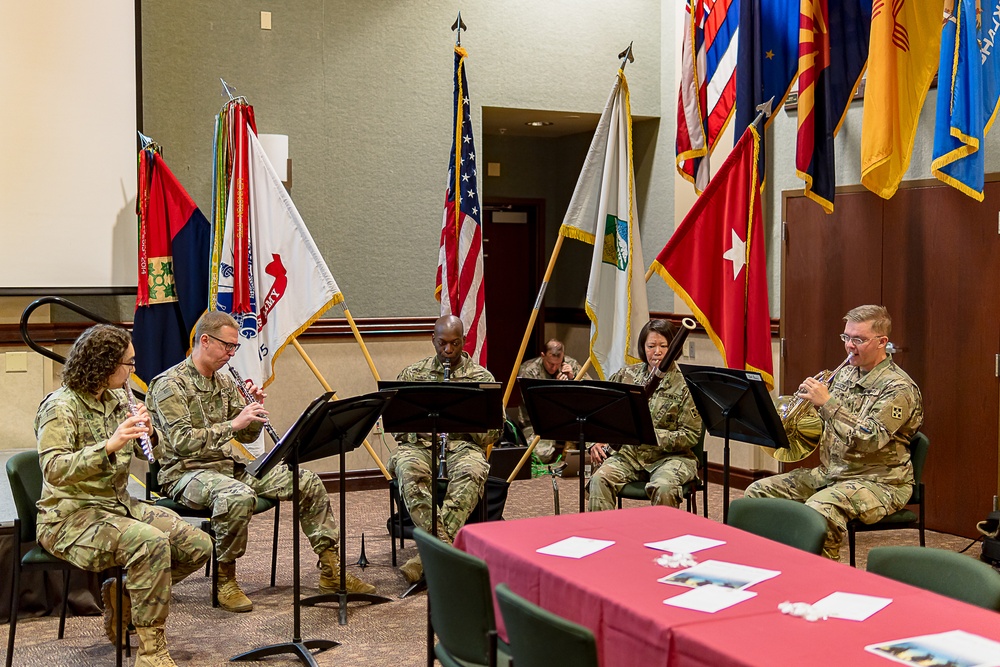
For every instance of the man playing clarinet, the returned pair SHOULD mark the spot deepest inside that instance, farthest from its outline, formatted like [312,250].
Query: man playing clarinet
[198,412]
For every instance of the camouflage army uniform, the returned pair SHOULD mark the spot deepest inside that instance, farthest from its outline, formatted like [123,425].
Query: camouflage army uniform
[668,464]
[200,467]
[865,469]
[545,450]
[86,515]
[465,462]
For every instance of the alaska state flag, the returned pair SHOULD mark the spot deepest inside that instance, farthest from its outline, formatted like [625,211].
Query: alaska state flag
[716,264]
[968,92]
[768,59]
[174,249]
[602,212]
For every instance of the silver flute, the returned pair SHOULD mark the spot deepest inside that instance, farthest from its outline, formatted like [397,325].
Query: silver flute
[248,397]
[133,408]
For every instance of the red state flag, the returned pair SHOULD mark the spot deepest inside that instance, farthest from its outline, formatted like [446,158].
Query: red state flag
[715,262]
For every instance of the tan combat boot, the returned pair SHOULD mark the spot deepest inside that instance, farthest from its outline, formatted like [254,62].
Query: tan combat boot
[413,569]
[153,648]
[329,575]
[109,594]
[231,597]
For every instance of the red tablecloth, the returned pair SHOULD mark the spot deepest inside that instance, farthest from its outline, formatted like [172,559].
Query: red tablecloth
[615,593]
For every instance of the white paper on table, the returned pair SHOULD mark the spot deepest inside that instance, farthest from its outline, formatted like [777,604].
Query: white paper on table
[575,547]
[709,598]
[955,647]
[685,544]
[719,573]
[851,606]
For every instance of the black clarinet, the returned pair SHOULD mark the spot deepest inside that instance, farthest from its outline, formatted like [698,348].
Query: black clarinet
[250,399]
[442,471]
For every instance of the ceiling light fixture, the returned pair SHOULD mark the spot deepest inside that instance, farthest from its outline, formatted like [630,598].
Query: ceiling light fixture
[538,123]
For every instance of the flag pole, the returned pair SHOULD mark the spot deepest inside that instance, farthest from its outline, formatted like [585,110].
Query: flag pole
[458,25]
[326,386]
[361,342]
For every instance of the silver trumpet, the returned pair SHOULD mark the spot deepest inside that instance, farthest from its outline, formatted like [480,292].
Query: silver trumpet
[133,408]
[248,397]
[442,470]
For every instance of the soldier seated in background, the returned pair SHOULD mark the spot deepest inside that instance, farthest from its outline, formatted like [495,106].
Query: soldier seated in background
[552,364]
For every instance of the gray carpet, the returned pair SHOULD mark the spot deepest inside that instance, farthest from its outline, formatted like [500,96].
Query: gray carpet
[390,634]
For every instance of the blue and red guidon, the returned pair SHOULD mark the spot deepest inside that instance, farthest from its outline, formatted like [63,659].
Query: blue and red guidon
[460,287]
[174,252]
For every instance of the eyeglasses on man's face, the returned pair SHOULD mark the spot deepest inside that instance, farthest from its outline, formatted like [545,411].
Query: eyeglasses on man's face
[855,340]
[230,347]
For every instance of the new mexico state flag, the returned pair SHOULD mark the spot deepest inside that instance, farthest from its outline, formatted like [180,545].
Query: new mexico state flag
[902,59]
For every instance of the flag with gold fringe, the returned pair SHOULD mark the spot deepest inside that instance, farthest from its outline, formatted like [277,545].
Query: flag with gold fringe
[715,262]
[902,59]
[602,212]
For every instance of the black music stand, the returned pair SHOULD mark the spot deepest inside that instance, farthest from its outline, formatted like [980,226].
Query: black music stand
[440,407]
[734,405]
[322,430]
[588,411]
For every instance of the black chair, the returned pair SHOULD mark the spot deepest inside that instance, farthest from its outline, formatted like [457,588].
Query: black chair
[539,638]
[263,505]
[945,572]
[461,604]
[904,518]
[25,475]
[637,490]
[781,520]
[400,524]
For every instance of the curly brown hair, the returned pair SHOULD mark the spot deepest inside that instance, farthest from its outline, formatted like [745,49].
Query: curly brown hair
[94,358]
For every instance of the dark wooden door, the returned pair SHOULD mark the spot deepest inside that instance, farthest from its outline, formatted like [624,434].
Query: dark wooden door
[831,263]
[941,258]
[511,267]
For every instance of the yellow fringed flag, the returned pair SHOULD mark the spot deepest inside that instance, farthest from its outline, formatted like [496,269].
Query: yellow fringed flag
[902,60]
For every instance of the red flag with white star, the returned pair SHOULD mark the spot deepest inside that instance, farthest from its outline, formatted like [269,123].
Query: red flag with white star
[715,262]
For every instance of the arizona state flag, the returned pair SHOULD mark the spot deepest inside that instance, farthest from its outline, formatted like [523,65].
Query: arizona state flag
[968,94]
[902,59]
[715,262]
[833,50]
[174,250]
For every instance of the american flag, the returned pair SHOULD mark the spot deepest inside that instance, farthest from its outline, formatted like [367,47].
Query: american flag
[460,287]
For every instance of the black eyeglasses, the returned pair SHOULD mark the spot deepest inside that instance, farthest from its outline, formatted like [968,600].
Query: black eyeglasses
[130,364]
[230,347]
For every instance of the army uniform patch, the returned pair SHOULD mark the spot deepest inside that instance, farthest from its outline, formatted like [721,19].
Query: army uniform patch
[694,413]
[897,412]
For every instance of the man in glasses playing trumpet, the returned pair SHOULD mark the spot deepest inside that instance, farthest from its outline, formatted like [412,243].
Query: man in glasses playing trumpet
[198,412]
[869,413]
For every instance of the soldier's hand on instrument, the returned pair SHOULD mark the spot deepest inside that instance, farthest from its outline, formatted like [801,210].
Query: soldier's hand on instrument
[257,393]
[253,412]
[566,372]
[814,391]
[597,454]
[128,430]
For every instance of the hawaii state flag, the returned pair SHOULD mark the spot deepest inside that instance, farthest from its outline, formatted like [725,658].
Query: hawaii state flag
[715,262]
[602,212]
[708,84]
[968,94]
[903,56]
[174,243]
[289,285]
[833,50]
[460,287]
